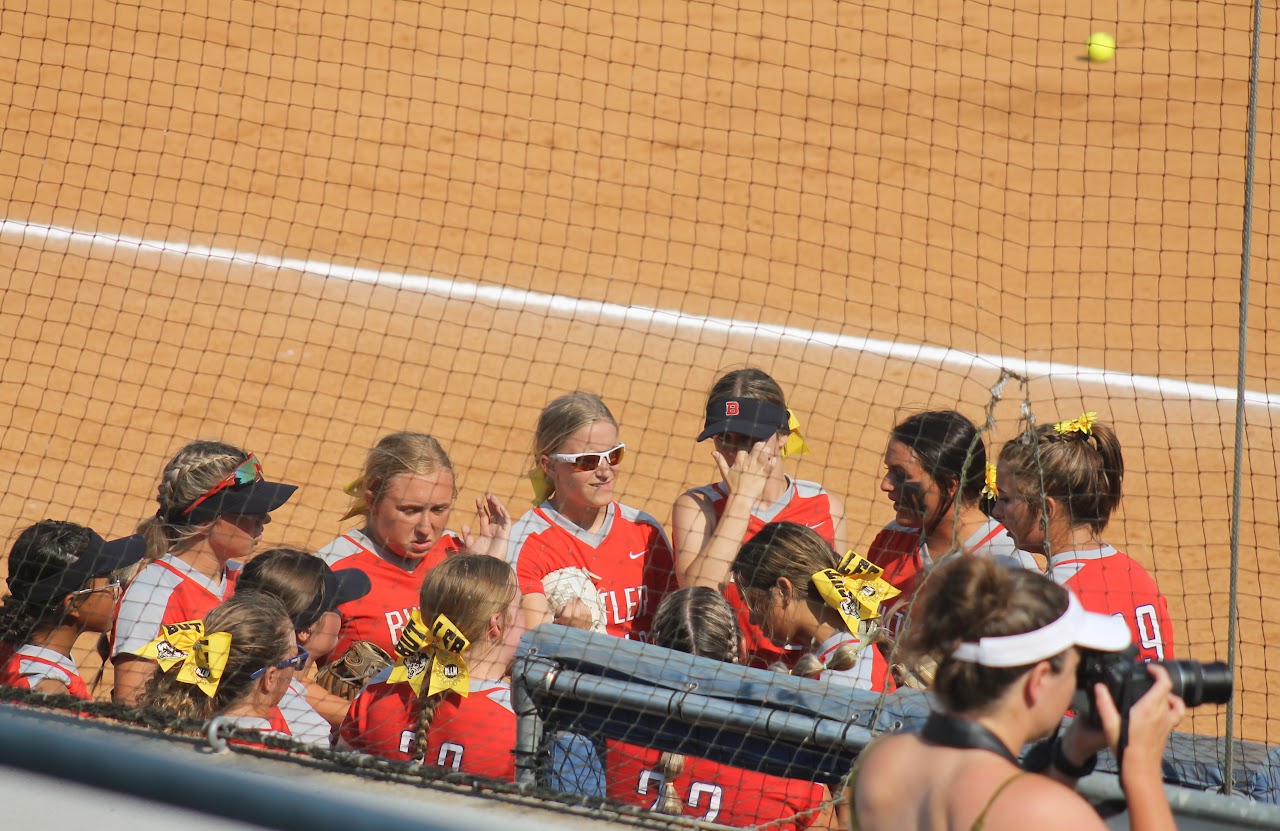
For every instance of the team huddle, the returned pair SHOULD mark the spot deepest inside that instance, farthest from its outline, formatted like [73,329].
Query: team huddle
[397,638]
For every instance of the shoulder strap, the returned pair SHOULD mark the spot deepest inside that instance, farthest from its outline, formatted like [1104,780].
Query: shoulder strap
[982,817]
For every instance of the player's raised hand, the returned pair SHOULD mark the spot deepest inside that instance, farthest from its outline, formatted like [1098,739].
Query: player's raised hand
[750,471]
[493,528]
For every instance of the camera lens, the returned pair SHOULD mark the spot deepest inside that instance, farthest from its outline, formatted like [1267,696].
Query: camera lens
[1198,683]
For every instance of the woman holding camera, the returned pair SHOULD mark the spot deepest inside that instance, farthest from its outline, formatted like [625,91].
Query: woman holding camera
[1007,645]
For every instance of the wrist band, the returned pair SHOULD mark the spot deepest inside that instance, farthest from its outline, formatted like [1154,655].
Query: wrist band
[1063,764]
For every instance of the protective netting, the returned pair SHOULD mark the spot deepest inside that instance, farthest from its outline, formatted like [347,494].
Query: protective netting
[299,229]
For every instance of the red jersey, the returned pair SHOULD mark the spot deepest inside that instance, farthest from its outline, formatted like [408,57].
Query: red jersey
[383,612]
[1111,583]
[621,572]
[804,503]
[167,591]
[28,665]
[475,734]
[904,556]
[712,792]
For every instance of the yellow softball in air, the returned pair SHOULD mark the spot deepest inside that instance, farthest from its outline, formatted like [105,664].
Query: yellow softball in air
[1102,47]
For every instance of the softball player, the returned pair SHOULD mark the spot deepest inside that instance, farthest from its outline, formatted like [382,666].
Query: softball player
[405,494]
[582,558]
[699,621]
[779,572]
[214,503]
[465,635]
[310,592]
[1068,475]
[62,583]
[938,479]
[237,662]
[752,429]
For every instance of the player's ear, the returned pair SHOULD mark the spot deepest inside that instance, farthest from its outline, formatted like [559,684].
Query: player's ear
[787,589]
[1033,686]
[71,605]
[305,635]
[496,627]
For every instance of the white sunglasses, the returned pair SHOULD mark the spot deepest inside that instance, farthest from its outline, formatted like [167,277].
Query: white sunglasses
[591,461]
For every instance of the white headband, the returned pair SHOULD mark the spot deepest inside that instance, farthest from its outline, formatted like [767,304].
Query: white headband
[1075,627]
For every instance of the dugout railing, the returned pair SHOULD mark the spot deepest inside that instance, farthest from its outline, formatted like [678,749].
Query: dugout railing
[590,688]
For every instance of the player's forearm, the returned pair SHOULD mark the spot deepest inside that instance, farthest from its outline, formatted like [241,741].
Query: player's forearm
[711,566]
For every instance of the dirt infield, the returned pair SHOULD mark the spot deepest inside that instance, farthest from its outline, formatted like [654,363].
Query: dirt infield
[211,208]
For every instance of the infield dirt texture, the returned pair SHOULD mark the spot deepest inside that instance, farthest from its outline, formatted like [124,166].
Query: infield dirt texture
[209,209]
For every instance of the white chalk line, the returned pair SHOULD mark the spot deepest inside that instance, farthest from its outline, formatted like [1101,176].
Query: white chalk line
[647,318]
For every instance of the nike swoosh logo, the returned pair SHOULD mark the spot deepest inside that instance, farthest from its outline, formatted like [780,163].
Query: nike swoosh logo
[819,525]
[637,555]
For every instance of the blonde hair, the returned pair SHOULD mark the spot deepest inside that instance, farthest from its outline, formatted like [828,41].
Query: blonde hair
[468,589]
[796,552]
[562,418]
[194,469]
[261,635]
[398,454]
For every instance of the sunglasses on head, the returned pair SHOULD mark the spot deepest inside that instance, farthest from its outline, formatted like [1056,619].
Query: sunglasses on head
[249,471]
[582,462]
[296,662]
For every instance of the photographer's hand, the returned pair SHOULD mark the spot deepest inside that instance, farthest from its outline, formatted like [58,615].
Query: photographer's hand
[1151,720]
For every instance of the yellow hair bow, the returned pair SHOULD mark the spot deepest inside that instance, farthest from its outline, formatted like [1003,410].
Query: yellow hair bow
[203,656]
[855,589]
[434,653]
[1083,424]
[543,487]
[355,490]
[989,489]
[795,445]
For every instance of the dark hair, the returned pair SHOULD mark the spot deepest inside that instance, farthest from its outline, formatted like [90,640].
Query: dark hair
[293,576]
[967,598]
[1083,472]
[697,620]
[41,551]
[749,383]
[950,449]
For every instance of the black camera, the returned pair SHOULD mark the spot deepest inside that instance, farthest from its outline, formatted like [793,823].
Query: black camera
[1127,679]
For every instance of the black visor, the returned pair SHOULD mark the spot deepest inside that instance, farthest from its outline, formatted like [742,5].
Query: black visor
[340,587]
[100,558]
[746,416]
